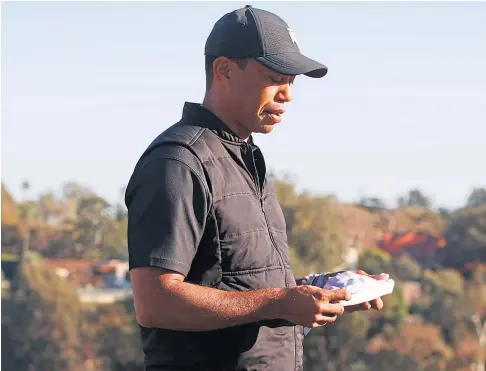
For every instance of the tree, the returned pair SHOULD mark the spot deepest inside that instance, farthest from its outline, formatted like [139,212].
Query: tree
[444,213]
[465,238]
[51,210]
[27,210]
[316,233]
[338,346]
[415,198]
[114,333]
[456,305]
[448,281]
[121,213]
[97,232]
[315,229]
[11,235]
[10,210]
[392,317]
[371,203]
[416,346]
[405,268]
[477,197]
[40,323]
[474,297]
[375,261]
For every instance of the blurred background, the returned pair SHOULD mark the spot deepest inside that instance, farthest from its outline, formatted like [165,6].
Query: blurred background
[377,167]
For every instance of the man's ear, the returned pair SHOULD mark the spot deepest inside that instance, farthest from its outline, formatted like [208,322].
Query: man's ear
[222,70]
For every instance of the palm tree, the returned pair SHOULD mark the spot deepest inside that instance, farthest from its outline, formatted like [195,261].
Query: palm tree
[25,213]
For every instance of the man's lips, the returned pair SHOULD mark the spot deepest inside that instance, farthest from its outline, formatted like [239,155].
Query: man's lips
[275,115]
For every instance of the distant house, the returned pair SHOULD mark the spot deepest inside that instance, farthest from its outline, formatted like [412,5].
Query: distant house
[78,271]
[420,245]
[114,272]
[96,281]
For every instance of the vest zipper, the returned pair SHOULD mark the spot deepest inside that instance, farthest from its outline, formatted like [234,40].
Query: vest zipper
[260,196]
[280,258]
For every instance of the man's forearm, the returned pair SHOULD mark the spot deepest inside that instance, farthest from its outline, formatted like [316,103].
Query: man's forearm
[188,307]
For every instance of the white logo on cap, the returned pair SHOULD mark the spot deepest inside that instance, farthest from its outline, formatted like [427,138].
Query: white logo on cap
[292,35]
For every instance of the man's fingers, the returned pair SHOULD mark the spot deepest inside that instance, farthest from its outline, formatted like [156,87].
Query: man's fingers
[377,304]
[382,276]
[328,295]
[322,320]
[357,307]
[337,295]
[331,309]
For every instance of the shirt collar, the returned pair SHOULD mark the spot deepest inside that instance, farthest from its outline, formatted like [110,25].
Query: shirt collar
[205,118]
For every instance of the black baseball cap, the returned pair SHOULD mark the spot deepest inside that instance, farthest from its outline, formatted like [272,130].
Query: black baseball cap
[254,33]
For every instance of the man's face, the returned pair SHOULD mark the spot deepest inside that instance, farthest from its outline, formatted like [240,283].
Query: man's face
[257,96]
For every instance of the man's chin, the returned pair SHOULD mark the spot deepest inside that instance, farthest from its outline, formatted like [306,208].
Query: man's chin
[265,129]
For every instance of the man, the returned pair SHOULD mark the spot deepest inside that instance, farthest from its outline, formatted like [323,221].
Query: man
[209,261]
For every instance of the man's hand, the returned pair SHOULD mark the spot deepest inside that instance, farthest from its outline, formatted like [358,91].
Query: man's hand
[375,304]
[312,306]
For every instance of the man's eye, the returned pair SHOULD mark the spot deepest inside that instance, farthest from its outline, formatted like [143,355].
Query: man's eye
[280,81]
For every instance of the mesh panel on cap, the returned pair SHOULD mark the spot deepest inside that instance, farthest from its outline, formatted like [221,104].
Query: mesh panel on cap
[275,34]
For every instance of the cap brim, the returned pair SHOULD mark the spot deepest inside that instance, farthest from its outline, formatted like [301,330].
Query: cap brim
[293,64]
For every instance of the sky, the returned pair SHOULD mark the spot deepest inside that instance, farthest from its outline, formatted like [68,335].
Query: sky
[86,86]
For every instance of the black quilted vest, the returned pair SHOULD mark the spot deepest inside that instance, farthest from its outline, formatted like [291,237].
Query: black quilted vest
[243,248]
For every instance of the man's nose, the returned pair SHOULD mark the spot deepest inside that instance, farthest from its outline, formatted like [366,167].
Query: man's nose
[285,94]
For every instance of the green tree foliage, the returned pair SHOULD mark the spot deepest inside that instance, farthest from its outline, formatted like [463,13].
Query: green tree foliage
[112,327]
[392,316]
[97,231]
[416,346]
[76,224]
[447,281]
[466,238]
[40,323]
[339,345]
[371,203]
[316,233]
[477,198]
[375,261]
[405,268]
[451,303]
[314,229]
[415,198]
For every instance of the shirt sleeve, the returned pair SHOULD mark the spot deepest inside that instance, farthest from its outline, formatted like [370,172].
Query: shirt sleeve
[167,205]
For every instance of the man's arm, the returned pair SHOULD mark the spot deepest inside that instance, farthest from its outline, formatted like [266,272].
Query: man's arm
[163,300]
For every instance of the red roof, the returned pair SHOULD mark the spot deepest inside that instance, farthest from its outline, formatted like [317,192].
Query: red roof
[419,244]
